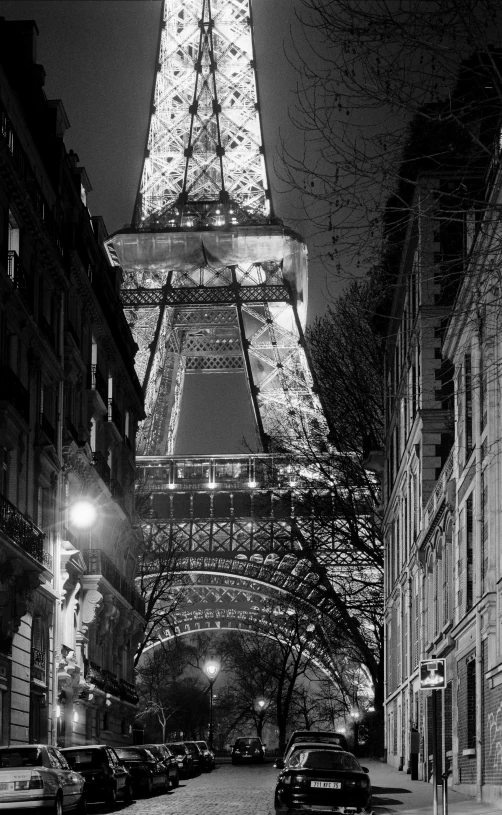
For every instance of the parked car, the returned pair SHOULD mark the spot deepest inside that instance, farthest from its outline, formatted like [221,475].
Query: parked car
[183,757]
[163,753]
[303,745]
[208,758]
[38,776]
[318,778]
[247,749]
[148,773]
[195,752]
[330,737]
[106,778]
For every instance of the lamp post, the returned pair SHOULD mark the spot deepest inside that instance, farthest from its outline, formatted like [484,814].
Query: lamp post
[355,718]
[262,704]
[211,669]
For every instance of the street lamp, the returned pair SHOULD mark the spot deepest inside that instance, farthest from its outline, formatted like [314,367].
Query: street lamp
[355,718]
[262,704]
[211,669]
[83,513]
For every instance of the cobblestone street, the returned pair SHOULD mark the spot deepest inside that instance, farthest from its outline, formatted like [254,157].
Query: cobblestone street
[228,790]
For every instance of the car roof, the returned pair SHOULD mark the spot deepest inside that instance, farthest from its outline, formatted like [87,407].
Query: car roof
[24,746]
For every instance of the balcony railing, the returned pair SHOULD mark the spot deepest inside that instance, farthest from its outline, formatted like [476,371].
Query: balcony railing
[23,532]
[101,467]
[48,428]
[98,383]
[19,277]
[115,416]
[109,682]
[47,331]
[99,563]
[13,391]
[117,490]
[20,159]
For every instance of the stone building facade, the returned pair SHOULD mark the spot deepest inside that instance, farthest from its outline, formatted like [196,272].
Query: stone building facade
[70,401]
[443,470]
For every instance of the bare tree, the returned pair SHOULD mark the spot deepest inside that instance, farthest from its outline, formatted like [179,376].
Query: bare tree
[367,70]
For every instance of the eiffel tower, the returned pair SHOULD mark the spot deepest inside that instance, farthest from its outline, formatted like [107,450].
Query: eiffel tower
[215,290]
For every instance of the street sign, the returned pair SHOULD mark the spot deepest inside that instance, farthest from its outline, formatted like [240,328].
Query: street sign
[432,674]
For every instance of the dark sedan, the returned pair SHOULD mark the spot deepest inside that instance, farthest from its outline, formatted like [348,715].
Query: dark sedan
[183,757]
[321,780]
[197,758]
[207,756]
[163,753]
[147,772]
[106,778]
[247,749]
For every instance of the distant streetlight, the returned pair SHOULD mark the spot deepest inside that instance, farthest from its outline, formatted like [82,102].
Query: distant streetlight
[83,513]
[211,669]
[262,706]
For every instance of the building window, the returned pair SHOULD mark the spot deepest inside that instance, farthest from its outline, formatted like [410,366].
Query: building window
[468,406]
[471,703]
[469,552]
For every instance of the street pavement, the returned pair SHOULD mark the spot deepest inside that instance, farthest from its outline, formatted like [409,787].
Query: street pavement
[249,790]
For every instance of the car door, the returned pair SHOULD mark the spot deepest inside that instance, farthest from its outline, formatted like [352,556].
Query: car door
[72,781]
[62,780]
[120,774]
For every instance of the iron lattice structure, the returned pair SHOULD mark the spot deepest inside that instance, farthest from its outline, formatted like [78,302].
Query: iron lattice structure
[205,138]
[212,284]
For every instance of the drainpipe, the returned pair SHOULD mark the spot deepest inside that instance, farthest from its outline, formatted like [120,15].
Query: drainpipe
[479,589]
[59,510]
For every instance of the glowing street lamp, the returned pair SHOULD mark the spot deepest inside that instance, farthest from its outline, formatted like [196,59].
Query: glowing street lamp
[262,706]
[211,669]
[83,513]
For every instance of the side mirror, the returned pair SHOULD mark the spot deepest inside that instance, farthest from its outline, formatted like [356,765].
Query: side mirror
[279,764]
[364,769]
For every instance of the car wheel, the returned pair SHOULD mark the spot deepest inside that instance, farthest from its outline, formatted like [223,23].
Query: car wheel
[58,806]
[128,794]
[176,780]
[111,797]
[82,806]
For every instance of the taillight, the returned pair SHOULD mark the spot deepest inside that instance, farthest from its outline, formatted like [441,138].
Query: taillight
[299,781]
[35,782]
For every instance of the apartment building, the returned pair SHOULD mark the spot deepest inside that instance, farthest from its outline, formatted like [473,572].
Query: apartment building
[69,405]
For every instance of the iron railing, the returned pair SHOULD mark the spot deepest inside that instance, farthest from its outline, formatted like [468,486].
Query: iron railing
[99,563]
[23,166]
[102,468]
[13,391]
[98,383]
[23,532]
[19,277]
[115,416]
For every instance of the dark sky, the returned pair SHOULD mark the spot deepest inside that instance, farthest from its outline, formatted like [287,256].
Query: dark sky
[99,57]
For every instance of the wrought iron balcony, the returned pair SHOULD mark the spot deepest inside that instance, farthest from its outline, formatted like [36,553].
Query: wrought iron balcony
[115,416]
[117,490]
[23,532]
[38,664]
[47,331]
[19,277]
[99,563]
[13,391]
[98,383]
[102,468]
[20,159]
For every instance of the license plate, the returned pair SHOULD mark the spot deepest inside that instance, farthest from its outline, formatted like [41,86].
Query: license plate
[6,785]
[327,785]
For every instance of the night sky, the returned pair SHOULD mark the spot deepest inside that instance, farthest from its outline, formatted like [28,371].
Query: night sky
[100,59]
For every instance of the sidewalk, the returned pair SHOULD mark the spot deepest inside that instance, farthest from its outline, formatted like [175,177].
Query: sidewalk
[395,794]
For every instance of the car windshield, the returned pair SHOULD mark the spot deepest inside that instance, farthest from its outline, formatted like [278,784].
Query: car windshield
[134,755]
[85,758]
[203,745]
[12,757]
[177,748]
[240,743]
[324,760]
